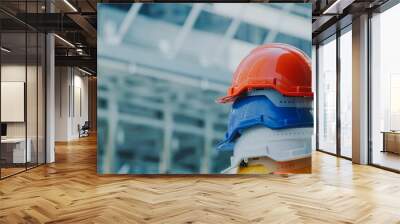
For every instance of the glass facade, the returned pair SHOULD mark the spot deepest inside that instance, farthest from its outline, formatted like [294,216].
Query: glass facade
[385,89]
[22,88]
[334,94]
[346,93]
[327,96]
[383,72]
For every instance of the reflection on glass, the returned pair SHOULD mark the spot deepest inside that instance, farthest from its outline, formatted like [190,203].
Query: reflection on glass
[327,97]
[385,84]
[346,94]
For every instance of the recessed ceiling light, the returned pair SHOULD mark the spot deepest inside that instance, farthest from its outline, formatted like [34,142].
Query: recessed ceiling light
[333,6]
[65,41]
[84,71]
[5,50]
[70,5]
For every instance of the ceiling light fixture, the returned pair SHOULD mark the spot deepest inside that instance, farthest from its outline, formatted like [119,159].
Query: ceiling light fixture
[65,41]
[84,71]
[329,9]
[5,50]
[79,51]
[70,5]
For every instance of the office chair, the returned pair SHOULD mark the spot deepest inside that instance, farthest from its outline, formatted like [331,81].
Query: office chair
[84,130]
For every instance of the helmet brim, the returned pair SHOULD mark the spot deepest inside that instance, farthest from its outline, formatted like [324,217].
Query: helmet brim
[226,99]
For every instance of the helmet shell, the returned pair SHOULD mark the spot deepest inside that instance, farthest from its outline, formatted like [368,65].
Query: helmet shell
[277,66]
[251,111]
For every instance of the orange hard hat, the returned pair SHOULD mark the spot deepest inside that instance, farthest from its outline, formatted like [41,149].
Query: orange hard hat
[278,66]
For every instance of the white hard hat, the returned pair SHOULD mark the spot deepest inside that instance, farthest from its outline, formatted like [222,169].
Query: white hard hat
[279,145]
[280,100]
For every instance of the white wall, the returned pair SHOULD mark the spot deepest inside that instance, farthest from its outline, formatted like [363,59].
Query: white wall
[12,73]
[62,81]
[71,94]
[80,100]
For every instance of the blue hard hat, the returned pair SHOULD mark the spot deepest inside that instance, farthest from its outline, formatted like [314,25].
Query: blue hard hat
[251,111]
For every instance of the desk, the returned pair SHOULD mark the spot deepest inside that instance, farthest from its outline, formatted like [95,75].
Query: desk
[16,147]
[391,141]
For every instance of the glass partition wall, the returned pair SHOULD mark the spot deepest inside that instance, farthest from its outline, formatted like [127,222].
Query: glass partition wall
[22,77]
[13,110]
[334,93]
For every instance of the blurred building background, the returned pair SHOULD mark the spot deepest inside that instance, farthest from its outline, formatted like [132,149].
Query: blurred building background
[161,67]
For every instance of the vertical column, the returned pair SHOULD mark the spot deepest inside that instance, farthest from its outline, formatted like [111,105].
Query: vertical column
[50,92]
[360,90]
[50,98]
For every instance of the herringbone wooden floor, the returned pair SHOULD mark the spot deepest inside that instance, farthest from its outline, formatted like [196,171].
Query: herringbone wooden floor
[70,191]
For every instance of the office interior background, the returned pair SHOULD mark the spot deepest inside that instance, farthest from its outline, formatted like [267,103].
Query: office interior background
[49,78]
[22,96]
[29,59]
[333,60]
[165,93]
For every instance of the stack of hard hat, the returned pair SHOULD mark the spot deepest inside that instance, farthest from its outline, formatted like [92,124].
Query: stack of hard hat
[270,125]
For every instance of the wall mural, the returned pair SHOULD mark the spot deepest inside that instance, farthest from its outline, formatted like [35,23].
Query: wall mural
[204,88]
